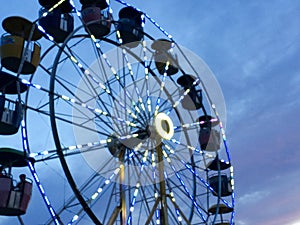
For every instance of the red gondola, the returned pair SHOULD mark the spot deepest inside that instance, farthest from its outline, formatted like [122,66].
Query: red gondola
[14,199]
[97,17]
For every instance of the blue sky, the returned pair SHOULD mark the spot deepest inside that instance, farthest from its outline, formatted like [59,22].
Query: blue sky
[253,48]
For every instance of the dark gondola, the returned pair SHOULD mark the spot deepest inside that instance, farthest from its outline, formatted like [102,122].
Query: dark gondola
[130,26]
[193,100]
[209,138]
[58,24]
[163,56]
[11,112]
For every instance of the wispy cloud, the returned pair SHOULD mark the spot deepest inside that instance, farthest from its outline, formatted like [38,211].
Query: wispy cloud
[253,197]
[295,223]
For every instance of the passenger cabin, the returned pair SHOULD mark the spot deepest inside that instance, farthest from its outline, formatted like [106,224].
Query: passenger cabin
[19,51]
[14,199]
[11,111]
[209,138]
[114,146]
[165,60]
[220,184]
[59,23]
[220,209]
[218,164]
[130,26]
[65,6]
[97,17]
[193,99]
[226,222]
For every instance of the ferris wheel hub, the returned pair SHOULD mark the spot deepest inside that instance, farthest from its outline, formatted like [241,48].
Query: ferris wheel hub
[164,127]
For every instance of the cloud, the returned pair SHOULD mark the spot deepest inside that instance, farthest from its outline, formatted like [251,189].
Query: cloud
[295,223]
[272,199]
[252,198]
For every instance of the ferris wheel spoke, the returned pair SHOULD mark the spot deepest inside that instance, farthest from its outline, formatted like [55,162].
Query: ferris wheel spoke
[86,73]
[205,183]
[179,214]
[197,150]
[114,175]
[145,203]
[113,191]
[96,196]
[101,122]
[138,188]
[100,64]
[162,86]
[63,81]
[131,73]
[186,127]
[185,93]
[202,180]
[69,151]
[80,125]
[67,99]
[70,202]
[199,208]
[178,129]
[97,111]
[79,216]
[181,195]
[194,124]
[90,73]
[118,78]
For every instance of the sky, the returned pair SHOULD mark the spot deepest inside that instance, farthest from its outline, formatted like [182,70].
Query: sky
[253,48]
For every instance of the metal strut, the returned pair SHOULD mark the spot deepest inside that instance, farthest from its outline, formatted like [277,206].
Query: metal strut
[162,186]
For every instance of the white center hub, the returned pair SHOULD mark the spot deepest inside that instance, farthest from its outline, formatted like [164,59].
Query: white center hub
[164,126]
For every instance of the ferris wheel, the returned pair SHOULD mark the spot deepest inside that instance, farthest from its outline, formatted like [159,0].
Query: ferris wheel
[119,123]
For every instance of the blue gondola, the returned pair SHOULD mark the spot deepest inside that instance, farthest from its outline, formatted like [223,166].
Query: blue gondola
[130,26]
[58,24]
[65,6]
